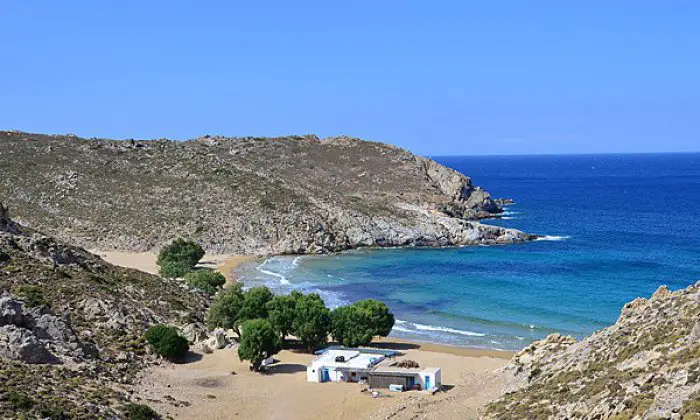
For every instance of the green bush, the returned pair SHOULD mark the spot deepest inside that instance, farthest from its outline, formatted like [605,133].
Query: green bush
[167,342]
[19,400]
[206,280]
[32,295]
[255,303]
[139,412]
[179,257]
[281,312]
[258,342]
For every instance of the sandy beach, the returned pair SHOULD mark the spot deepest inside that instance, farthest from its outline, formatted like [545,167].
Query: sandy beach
[226,264]
[220,386]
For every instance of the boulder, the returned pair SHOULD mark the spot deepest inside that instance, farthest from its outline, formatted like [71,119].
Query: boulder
[217,339]
[21,344]
[195,332]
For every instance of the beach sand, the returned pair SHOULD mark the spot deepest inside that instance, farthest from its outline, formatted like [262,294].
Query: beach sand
[146,261]
[206,388]
[212,391]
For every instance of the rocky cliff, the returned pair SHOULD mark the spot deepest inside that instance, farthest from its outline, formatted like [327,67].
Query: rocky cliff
[645,366]
[242,195]
[72,326]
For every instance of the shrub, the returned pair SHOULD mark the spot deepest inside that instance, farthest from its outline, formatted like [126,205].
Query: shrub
[139,412]
[180,256]
[258,342]
[206,280]
[226,308]
[19,400]
[167,342]
[32,295]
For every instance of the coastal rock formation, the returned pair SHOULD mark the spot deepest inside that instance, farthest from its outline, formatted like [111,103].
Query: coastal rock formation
[646,365]
[72,326]
[247,195]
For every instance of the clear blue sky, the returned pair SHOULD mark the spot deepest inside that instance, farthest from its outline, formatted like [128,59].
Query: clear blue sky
[464,77]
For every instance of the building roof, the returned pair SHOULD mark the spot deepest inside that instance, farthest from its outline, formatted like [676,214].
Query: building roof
[383,352]
[354,359]
[381,371]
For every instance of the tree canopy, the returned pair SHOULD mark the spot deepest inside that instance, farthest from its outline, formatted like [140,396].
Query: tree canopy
[312,321]
[258,342]
[205,279]
[225,311]
[255,303]
[281,311]
[355,325]
[179,257]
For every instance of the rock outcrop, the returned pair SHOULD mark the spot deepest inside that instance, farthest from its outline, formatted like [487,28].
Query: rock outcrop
[646,365]
[247,195]
[72,326]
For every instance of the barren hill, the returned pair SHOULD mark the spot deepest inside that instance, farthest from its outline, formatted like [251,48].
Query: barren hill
[243,195]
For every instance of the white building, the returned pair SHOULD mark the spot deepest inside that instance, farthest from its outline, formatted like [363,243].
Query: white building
[372,366]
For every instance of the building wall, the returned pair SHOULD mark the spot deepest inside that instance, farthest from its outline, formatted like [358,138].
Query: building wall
[378,382]
[313,374]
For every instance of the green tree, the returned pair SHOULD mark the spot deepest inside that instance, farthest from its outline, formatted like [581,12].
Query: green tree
[167,341]
[179,257]
[339,322]
[356,324]
[281,311]
[255,303]
[258,342]
[225,311]
[311,321]
[207,280]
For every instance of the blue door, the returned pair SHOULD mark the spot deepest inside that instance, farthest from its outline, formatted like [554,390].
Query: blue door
[325,375]
[427,382]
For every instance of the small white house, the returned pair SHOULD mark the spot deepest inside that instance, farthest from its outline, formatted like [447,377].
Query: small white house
[372,366]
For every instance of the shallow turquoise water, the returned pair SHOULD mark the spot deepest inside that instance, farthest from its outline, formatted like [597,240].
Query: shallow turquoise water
[618,226]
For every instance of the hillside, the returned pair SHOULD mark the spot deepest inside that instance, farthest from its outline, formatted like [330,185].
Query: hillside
[241,195]
[72,326]
[647,365]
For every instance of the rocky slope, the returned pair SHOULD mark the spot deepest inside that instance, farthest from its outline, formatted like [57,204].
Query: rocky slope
[241,195]
[72,326]
[645,366]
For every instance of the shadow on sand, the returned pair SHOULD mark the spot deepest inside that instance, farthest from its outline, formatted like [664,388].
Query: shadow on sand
[283,368]
[190,357]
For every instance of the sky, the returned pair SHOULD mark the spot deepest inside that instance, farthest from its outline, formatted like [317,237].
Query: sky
[438,78]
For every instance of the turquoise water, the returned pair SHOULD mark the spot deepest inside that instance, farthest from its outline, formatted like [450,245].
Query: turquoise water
[616,226]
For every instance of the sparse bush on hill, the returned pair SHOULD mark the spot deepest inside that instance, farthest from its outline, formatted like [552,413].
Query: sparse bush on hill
[139,412]
[167,341]
[207,280]
[179,257]
[258,342]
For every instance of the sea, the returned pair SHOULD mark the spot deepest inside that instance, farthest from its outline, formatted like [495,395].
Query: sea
[614,227]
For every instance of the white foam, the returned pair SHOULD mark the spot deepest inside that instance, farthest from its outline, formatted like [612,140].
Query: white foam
[423,327]
[508,218]
[283,279]
[552,238]
[295,261]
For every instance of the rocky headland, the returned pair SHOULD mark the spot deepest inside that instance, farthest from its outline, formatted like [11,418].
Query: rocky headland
[286,195]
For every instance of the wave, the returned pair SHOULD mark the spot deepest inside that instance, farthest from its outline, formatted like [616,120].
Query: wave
[422,327]
[552,238]
[508,218]
[283,279]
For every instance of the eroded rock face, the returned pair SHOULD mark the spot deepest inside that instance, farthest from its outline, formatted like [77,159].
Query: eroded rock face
[37,335]
[646,365]
[293,194]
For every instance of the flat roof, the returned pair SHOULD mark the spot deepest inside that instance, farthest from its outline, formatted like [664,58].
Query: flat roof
[353,359]
[401,371]
[383,352]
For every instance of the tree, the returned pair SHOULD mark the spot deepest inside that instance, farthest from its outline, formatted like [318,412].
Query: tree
[255,303]
[167,341]
[207,280]
[258,342]
[281,313]
[225,311]
[311,321]
[356,324]
[179,257]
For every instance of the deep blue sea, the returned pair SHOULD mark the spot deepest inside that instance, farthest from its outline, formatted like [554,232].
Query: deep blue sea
[617,226]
